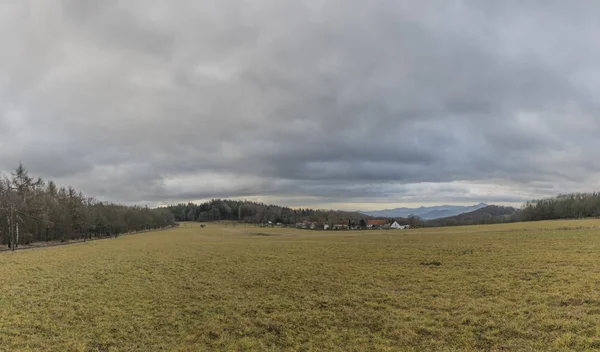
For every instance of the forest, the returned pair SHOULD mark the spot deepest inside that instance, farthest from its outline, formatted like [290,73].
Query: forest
[33,210]
[564,206]
[253,212]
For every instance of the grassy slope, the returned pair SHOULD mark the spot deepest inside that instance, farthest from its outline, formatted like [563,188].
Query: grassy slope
[524,286]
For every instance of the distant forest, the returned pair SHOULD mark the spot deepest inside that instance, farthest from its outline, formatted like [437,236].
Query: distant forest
[564,206]
[33,210]
[567,206]
[252,212]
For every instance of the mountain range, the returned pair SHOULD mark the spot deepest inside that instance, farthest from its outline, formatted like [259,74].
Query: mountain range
[425,213]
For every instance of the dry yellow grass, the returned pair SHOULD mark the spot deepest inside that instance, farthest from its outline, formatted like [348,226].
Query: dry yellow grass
[516,287]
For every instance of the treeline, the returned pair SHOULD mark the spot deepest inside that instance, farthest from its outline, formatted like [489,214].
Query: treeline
[564,206]
[492,214]
[253,212]
[32,210]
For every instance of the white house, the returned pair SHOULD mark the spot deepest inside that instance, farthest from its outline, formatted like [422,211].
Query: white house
[325,227]
[397,226]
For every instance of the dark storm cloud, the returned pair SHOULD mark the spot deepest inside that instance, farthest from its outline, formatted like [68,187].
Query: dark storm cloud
[315,102]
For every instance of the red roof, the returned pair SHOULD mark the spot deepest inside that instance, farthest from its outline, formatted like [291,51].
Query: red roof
[377,222]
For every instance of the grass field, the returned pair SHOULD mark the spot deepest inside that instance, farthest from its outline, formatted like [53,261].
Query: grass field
[516,287]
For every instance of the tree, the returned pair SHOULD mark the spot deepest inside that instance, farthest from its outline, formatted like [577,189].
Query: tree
[413,221]
[363,224]
[33,210]
[252,212]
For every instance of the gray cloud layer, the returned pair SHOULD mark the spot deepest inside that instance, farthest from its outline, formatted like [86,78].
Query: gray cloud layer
[313,102]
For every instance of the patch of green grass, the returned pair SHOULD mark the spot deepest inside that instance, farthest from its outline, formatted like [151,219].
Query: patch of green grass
[516,287]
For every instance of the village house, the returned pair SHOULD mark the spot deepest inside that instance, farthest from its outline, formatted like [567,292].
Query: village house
[375,224]
[306,225]
[340,227]
[397,226]
[302,225]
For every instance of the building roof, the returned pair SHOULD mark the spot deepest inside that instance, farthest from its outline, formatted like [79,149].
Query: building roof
[377,222]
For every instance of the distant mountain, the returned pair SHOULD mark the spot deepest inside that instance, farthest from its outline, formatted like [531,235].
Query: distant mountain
[491,214]
[425,213]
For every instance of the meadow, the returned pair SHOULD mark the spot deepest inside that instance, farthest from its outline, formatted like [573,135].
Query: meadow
[515,287]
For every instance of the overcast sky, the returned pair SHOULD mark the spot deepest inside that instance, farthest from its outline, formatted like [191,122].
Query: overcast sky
[346,104]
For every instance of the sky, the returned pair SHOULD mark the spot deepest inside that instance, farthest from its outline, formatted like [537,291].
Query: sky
[341,104]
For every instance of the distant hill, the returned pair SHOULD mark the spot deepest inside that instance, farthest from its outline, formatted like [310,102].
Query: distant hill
[491,214]
[425,213]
